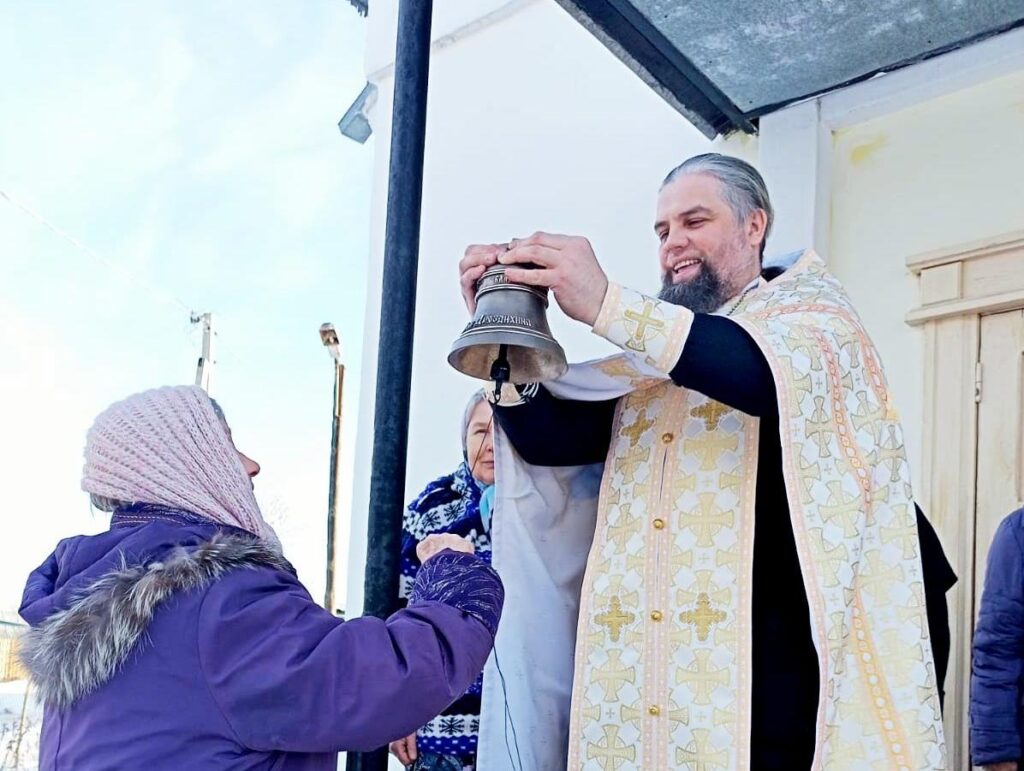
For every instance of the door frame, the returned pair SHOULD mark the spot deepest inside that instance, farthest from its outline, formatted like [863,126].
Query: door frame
[958,286]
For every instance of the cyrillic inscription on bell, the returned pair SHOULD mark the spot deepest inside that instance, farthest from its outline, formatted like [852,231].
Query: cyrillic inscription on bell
[510,330]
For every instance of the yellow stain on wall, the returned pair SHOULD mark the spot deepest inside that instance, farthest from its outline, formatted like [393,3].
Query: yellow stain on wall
[859,154]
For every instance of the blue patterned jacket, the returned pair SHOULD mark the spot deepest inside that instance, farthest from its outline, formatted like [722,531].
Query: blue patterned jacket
[450,504]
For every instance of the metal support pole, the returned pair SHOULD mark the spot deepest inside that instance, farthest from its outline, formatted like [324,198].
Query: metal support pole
[332,491]
[397,321]
[204,368]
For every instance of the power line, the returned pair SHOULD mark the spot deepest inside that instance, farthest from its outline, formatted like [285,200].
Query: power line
[120,270]
[164,297]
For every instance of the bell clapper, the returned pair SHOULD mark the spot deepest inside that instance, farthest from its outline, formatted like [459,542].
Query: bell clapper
[500,372]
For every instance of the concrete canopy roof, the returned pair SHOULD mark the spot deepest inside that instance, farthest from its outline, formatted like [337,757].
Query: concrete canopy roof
[724,64]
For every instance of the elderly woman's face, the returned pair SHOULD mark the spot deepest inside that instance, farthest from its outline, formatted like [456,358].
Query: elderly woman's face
[252,468]
[480,443]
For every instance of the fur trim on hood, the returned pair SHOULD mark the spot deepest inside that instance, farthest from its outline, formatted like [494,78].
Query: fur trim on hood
[78,649]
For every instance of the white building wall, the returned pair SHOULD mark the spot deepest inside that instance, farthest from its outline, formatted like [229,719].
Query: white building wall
[532,125]
[944,172]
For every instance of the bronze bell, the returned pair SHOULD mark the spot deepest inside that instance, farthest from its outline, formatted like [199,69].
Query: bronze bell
[508,340]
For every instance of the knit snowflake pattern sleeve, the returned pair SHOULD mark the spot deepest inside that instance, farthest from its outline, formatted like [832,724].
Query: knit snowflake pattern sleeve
[464,582]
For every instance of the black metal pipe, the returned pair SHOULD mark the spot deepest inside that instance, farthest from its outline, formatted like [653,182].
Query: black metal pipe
[397,323]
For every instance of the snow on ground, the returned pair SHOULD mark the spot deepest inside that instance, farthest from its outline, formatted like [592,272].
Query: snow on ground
[18,755]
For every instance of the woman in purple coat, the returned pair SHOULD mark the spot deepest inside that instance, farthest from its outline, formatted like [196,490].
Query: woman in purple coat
[181,637]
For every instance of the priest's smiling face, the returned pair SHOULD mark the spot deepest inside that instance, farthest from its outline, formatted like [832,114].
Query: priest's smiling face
[707,253]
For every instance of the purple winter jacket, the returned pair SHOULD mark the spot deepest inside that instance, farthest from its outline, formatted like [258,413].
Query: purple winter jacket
[169,642]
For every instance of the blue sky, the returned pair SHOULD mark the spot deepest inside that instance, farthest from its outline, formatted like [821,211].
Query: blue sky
[193,147]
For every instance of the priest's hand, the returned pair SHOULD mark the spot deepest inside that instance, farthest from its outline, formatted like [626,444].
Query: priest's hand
[1009,765]
[567,266]
[405,750]
[477,259]
[433,544]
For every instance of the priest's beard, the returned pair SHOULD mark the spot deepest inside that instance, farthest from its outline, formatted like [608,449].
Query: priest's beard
[705,293]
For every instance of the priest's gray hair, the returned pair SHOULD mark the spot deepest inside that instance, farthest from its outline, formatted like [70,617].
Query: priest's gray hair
[742,185]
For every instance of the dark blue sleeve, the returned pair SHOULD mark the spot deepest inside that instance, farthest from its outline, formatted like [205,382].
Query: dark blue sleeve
[547,431]
[939,578]
[463,581]
[999,651]
[722,361]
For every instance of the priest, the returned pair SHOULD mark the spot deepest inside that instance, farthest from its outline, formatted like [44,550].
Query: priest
[760,590]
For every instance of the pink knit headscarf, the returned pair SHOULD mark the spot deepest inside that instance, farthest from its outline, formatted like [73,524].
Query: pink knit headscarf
[168,447]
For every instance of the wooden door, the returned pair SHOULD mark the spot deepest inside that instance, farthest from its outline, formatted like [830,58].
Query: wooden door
[1000,431]
[1000,470]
